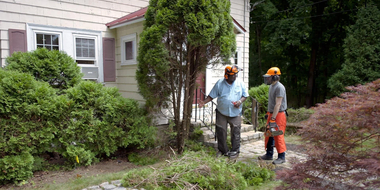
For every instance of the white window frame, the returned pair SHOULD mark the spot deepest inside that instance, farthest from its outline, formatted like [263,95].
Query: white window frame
[67,42]
[75,36]
[34,37]
[128,38]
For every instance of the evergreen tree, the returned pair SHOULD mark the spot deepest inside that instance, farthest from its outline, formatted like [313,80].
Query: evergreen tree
[361,48]
[180,38]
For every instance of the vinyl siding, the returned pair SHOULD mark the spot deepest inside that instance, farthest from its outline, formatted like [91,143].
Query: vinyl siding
[78,14]
[125,74]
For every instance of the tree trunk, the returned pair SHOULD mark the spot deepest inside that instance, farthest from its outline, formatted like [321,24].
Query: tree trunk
[310,82]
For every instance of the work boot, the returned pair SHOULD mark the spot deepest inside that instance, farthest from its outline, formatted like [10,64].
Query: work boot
[279,161]
[265,157]
[220,153]
[233,154]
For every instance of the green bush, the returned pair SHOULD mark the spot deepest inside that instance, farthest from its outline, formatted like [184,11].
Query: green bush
[27,114]
[55,67]
[298,115]
[101,121]
[16,168]
[260,93]
[198,170]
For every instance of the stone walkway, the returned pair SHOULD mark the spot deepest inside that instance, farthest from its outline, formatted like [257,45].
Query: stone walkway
[248,151]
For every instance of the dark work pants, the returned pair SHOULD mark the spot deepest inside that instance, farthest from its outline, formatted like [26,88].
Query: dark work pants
[221,132]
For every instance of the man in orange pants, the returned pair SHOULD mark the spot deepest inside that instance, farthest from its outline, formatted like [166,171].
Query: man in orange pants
[276,116]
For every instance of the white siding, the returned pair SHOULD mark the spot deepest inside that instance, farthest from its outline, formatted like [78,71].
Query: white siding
[125,74]
[77,14]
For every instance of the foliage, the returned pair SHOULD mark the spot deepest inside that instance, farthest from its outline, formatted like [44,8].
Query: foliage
[304,39]
[87,122]
[101,122]
[198,171]
[342,142]
[298,115]
[16,167]
[55,67]
[179,40]
[260,93]
[141,160]
[361,49]
[27,114]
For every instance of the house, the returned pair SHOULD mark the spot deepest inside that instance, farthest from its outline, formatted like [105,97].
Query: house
[101,35]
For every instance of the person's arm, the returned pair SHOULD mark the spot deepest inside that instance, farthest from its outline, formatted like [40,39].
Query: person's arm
[276,108]
[202,103]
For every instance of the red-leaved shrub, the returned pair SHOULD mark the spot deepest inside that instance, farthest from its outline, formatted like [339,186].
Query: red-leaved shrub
[342,139]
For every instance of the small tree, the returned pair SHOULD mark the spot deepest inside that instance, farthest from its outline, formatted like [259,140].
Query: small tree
[361,49]
[55,67]
[180,38]
[342,139]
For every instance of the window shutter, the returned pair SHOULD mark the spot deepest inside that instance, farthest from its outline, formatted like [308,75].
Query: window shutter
[17,40]
[109,68]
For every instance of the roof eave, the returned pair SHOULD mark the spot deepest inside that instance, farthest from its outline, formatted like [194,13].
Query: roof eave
[135,20]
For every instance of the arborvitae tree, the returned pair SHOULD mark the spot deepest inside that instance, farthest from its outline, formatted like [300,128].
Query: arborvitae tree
[361,48]
[180,38]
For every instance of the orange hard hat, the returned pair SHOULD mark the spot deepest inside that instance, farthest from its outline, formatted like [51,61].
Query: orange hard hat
[273,71]
[230,70]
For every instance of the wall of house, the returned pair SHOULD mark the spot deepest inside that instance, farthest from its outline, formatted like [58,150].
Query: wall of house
[240,12]
[125,73]
[77,14]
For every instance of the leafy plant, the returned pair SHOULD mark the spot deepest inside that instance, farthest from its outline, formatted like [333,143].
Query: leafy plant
[361,49]
[298,115]
[141,160]
[260,93]
[101,121]
[55,67]
[15,168]
[197,170]
[342,139]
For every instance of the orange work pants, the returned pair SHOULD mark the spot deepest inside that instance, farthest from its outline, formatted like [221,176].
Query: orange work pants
[279,141]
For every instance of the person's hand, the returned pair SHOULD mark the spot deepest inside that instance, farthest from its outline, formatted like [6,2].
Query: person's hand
[237,104]
[201,103]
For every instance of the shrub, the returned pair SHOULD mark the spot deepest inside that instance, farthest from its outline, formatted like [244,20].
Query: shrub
[298,115]
[260,93]
[197,170]
[27,116]
[55,67]
[342,139]
[16,168]
[101,121]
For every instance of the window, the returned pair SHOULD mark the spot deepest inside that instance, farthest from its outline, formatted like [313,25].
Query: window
[84,46]
[128,49]
[49,41]
[85,50]
[236,58]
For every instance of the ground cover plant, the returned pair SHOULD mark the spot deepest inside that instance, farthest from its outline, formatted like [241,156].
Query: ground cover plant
[198,170]
[342,139]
